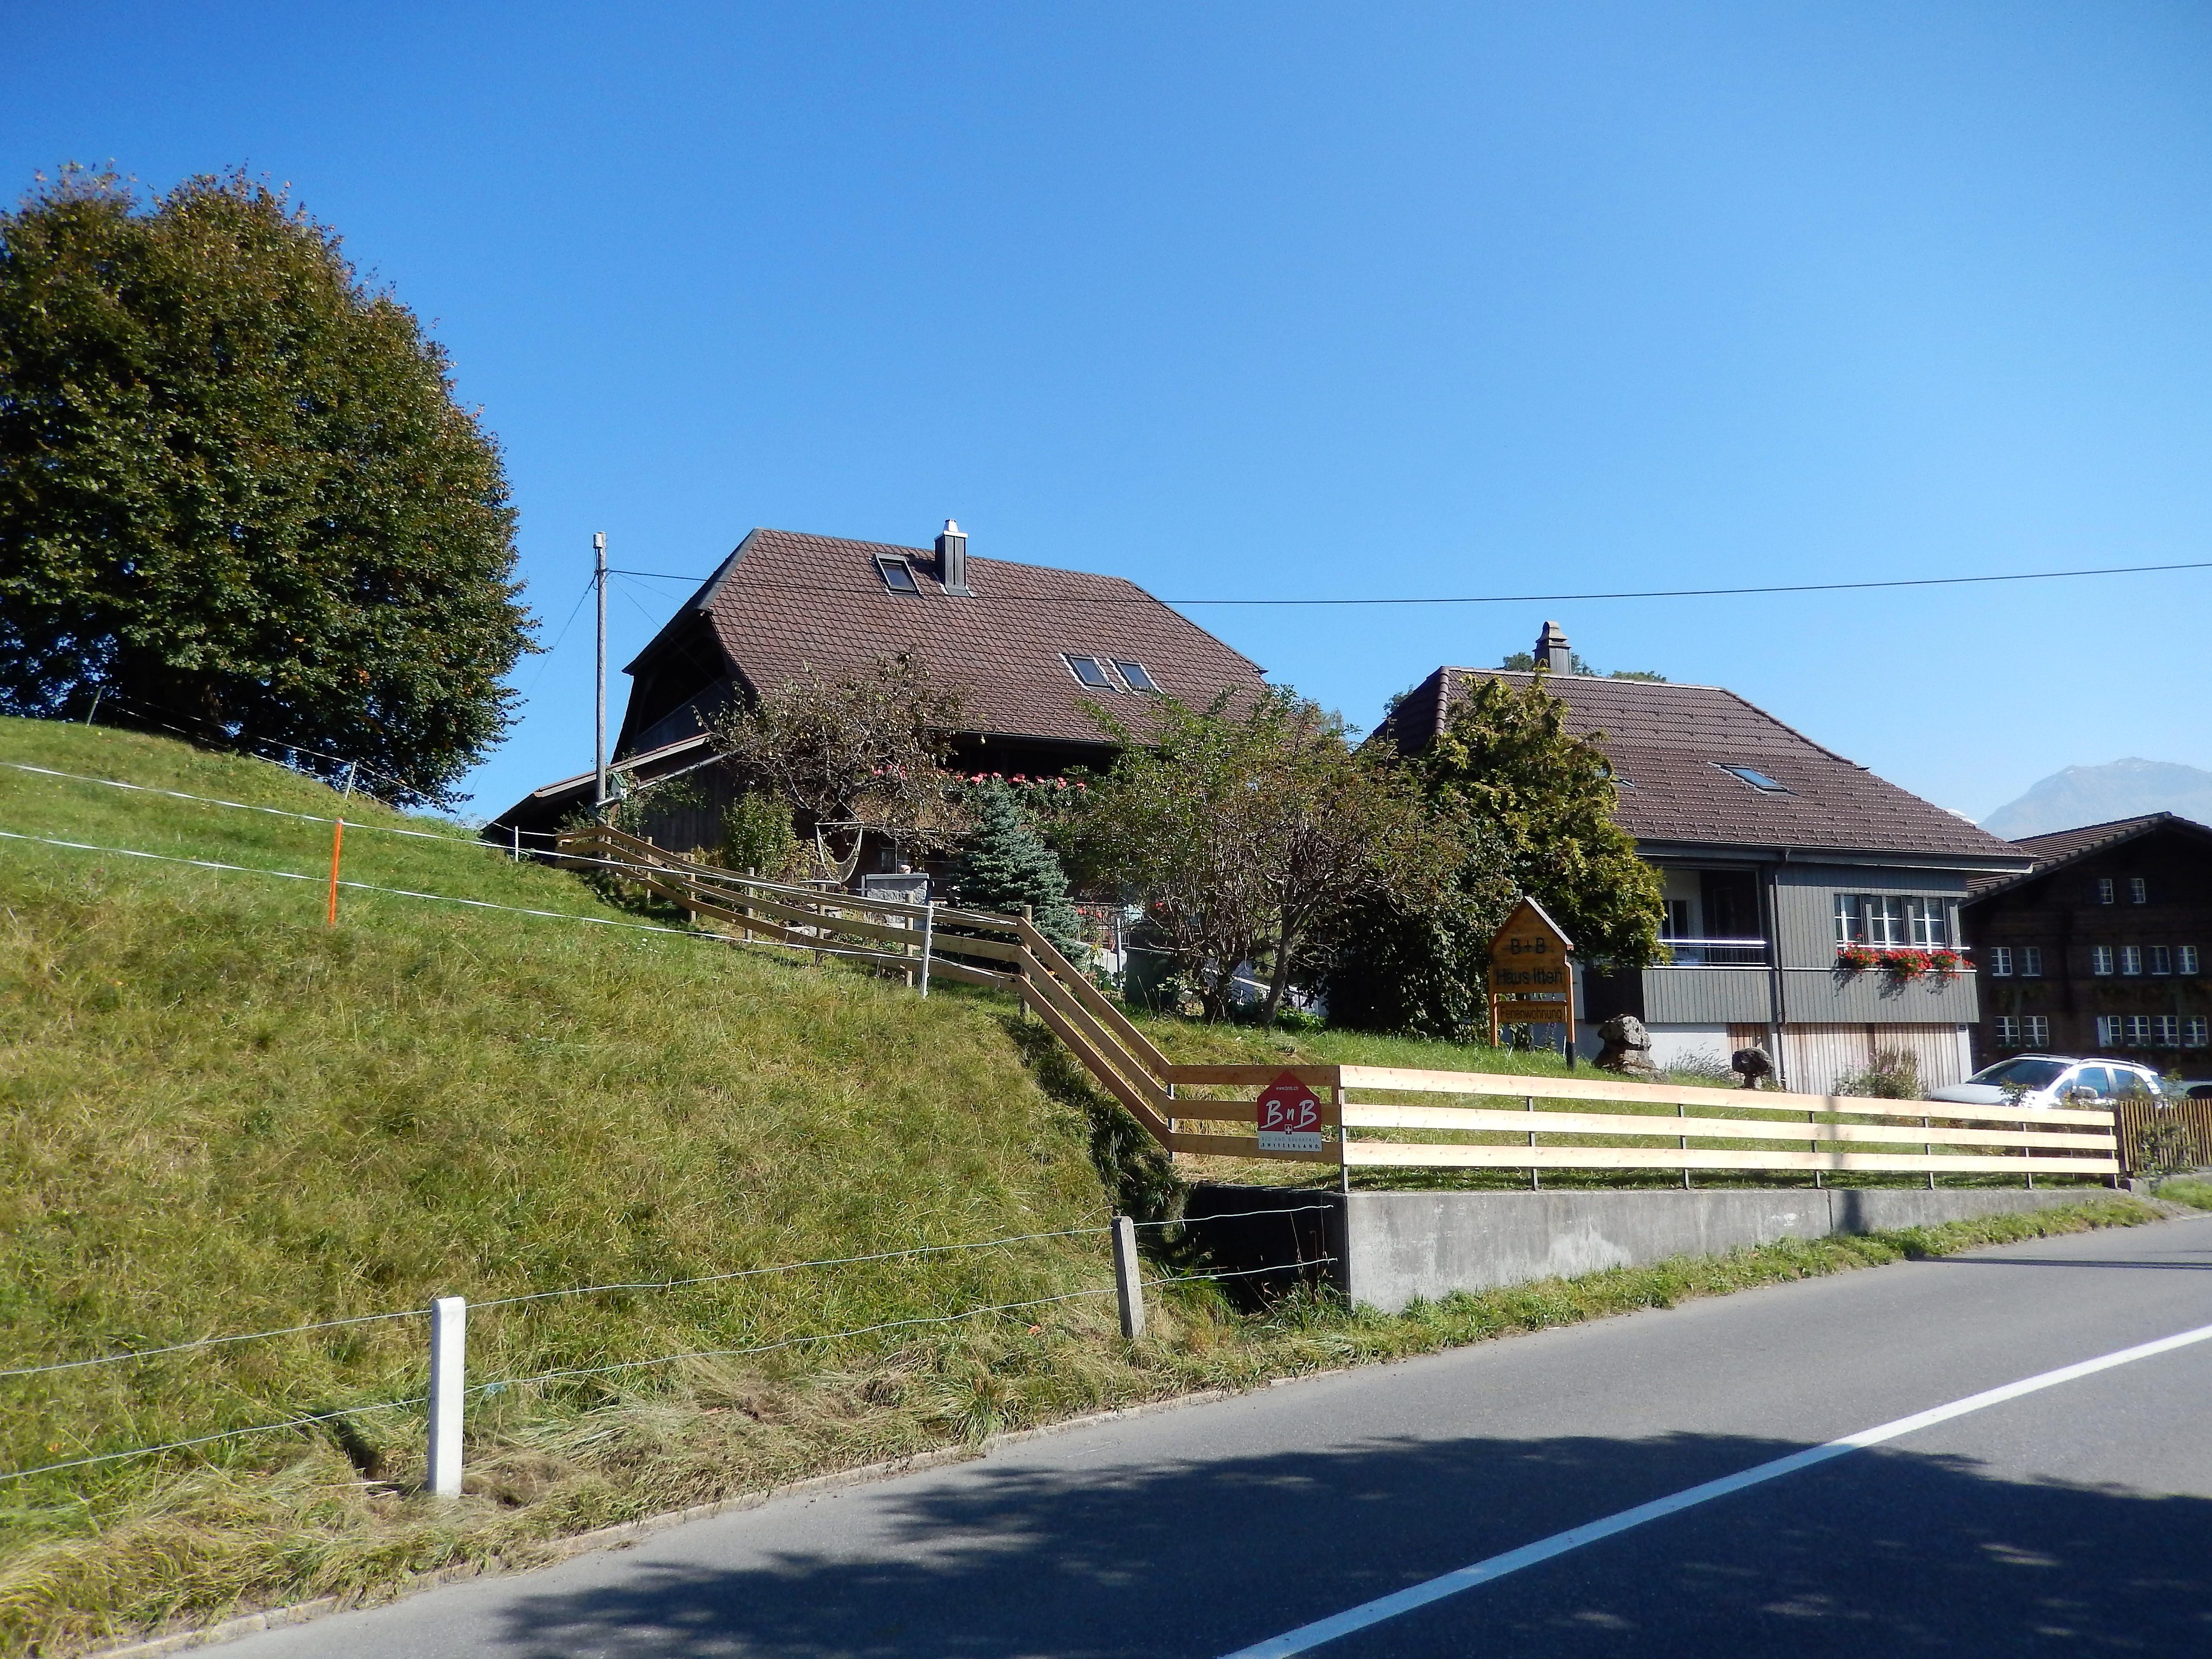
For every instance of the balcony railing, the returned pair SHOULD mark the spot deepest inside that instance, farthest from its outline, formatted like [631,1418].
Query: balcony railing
[1717,952]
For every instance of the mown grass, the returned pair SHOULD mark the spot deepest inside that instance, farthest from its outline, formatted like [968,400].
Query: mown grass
[220,1116]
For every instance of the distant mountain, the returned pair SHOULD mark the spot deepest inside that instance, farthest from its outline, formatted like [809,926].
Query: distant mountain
[2097,794]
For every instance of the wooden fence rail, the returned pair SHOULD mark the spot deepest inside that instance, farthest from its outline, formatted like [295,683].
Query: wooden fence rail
[1547,1126]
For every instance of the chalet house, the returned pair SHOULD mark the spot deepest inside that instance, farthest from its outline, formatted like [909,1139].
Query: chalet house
[2099,948]
[1024,646]
[1775,853]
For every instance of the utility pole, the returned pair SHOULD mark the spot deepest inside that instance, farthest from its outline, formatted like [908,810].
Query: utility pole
[600,741]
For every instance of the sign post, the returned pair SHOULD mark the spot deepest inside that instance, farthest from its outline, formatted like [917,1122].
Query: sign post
[1288,1116]
[1532,980]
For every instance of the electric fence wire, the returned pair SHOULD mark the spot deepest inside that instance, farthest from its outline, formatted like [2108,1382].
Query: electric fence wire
[210,1342]
[248,806]
[209,1440]
[789,1342]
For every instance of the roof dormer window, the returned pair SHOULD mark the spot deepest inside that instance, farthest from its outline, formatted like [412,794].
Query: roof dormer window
[898,576]
[1757,779]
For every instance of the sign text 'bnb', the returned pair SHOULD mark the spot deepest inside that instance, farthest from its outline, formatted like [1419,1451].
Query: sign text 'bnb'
[1288,1116]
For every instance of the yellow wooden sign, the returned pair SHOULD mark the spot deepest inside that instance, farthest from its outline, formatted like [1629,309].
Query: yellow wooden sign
[1532,979]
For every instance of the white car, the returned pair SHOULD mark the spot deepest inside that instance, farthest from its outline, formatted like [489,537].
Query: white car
[2049,1081]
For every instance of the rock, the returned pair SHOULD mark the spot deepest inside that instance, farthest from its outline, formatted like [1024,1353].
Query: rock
[1751,1064]
[1627,1047]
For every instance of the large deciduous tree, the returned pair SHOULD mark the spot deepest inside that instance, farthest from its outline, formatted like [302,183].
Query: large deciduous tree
[1531,807]
[853,755]
[1246,832]
[236,491]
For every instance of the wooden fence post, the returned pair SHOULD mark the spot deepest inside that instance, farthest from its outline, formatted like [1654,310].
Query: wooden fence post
[928,936]
[1129,1282]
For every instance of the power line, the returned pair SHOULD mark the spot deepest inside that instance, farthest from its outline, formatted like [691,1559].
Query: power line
[1531,598]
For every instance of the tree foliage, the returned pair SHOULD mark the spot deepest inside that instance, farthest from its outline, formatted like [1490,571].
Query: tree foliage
[859,754]
[1245,834]
[235,486]
[1008,866]
[1506,760]
[1530,807]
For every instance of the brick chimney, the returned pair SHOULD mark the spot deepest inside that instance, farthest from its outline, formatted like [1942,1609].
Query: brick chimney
[1552,653]
[952,561]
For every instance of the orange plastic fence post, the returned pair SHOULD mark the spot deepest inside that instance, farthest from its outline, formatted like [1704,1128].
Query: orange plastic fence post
[337,840]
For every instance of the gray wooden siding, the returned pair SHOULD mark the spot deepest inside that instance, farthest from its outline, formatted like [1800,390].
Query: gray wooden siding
[1805,908]
[1824,997]
[1705,996]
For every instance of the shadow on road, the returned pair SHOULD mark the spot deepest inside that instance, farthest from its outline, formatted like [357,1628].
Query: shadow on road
[1878,1553]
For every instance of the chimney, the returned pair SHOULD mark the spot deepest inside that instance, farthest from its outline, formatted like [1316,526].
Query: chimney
[952,561]
[1552,653]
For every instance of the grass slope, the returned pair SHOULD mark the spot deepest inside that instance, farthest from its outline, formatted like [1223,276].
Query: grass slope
[220,1115]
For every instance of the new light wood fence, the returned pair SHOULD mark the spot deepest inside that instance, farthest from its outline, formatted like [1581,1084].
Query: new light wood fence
[1411,1120]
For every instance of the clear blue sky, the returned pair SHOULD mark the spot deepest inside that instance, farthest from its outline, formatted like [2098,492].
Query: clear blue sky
[1301,300]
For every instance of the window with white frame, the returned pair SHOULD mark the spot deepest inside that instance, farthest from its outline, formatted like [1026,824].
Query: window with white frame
[2108,1030]
[2100,960]
[1885,920]
[2009,1030]
[2036,1030]
[2138,890]
[2161,958]
[1924,920]
[2195,1030]
[1998,961]
[2165,1030]
[2031,961]
[2131,960]
[2105,895]
[1850,925]
[2138,1030]
[2184,959]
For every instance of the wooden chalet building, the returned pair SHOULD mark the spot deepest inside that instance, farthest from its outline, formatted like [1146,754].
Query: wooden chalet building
[2099,948]
[1024,646]
[1775,852]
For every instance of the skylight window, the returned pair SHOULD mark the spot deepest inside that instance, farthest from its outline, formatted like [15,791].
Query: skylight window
[898,576]
[1756,779]
[1135,677]
[1090,672]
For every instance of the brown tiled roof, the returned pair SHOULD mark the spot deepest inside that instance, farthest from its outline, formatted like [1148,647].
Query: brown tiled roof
[1668,743]
[2065,845]
[784,601]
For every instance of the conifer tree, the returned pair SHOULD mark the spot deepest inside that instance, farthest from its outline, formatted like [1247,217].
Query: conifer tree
[1008,866]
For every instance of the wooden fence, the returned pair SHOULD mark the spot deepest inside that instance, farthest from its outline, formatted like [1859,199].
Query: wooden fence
[1190,1109]
[2156,1135]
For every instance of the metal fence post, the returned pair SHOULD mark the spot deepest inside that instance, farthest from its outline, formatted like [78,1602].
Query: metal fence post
[449,1336]
[1128,1284]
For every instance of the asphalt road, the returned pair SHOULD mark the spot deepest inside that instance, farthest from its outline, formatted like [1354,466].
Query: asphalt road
[2074,1519]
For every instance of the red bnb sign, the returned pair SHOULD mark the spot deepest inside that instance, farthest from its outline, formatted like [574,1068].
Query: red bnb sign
[1288,1116]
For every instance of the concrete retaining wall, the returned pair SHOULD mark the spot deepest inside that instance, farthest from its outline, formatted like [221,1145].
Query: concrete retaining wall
[1396,1247]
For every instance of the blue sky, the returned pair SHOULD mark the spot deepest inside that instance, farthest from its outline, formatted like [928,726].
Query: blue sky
[1295,300]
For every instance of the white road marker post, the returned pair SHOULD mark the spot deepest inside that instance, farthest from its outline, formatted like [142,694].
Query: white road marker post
[1129,1282]
[449,1336]
[928,936]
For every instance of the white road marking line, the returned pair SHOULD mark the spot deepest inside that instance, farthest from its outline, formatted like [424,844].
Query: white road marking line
[1309,1636]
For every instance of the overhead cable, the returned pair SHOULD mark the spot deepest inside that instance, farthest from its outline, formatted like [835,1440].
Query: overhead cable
[1518,599]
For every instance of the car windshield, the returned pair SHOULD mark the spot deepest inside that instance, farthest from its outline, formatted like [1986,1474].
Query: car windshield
[2028,1073]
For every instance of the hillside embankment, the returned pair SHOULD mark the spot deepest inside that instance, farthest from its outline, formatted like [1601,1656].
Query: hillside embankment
[220,1115]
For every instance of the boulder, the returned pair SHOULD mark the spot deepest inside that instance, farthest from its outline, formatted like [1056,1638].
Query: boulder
[1627,1047]
[1751,1064]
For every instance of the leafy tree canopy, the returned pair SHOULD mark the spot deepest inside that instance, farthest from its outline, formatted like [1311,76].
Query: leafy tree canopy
[235,486]
[1506,761]
[858,754]
[1247,833]
[1529,807]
